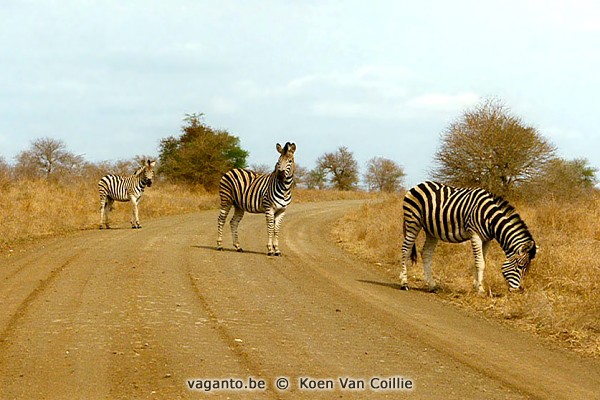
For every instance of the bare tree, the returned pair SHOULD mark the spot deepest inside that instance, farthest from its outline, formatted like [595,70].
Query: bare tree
[300,176]
[5,171]
[47,158]
[384,175]
[342,168]
[490,148]
[261,168]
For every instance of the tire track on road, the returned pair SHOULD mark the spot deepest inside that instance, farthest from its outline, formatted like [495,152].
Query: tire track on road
[21,310]
[242,356]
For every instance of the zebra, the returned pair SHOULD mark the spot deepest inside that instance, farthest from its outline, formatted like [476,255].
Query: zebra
[456,215]
[125,188]
[246,190]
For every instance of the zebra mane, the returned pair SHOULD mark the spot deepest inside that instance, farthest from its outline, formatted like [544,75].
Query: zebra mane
[504,205]
[515,219]
[139,171]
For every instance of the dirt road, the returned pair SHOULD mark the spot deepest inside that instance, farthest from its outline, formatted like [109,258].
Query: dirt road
[126,314]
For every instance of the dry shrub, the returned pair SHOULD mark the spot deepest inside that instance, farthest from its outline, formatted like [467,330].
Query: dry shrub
[562,295]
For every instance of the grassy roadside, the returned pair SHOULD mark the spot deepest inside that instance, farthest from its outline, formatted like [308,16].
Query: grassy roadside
[562,296]
[34,209]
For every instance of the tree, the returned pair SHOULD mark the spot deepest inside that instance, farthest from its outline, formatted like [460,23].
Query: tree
[564,179]
[300,176]
[384,175]
[261,168]
[316,179]
[201,154]
[5,171]
[490,148]
[47,158]
[341,167]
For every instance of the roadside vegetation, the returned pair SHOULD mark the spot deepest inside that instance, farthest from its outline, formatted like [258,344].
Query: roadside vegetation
[48,190]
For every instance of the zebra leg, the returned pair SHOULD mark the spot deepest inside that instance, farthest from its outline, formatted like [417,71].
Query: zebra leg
[408,252]
[270,231]
[278,218]
[428,249]
[105,207]
[135,217]
[220,222]
[102,215]
[107,210]
[238,214]
[479,251]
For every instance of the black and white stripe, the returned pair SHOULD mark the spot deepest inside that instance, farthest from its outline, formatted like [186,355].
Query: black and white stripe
[255,193]
[456,215]
[125,188]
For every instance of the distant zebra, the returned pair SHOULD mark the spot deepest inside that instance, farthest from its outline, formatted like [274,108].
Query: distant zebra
[125,188]
[459,214]
[258,193]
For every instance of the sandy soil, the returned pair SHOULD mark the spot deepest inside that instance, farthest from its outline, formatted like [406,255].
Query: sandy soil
[128,314]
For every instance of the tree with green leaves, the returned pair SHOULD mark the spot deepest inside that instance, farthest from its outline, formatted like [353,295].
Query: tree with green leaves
[201,154]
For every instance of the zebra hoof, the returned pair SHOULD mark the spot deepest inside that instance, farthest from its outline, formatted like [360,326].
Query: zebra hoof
[404,286]
[277,254]
[220,248]
[240,250]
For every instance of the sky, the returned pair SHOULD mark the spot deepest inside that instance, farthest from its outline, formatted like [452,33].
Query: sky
[384,78]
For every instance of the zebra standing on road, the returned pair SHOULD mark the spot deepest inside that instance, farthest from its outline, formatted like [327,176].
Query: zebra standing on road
[125,188]
[459,214]
[258,193]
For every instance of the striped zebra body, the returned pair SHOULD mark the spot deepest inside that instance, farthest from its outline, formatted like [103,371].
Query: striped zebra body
[247,191]
[124,188]
[456,215]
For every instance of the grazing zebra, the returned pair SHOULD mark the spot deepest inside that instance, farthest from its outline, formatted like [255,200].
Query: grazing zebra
[459,214]
[125,188]
[258,193]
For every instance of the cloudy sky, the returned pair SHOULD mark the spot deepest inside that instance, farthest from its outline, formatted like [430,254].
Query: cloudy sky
[384,78]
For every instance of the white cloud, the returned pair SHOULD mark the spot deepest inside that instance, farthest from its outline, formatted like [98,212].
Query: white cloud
[347,109]
[377,80]
[563,135]
[443,102]
[223,105]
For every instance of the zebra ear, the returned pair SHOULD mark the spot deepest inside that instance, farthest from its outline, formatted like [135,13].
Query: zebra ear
[527,248]
[279,148]
[292,148]
[151,164]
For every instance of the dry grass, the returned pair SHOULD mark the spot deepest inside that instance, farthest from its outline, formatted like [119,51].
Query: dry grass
[312,195]
[32,209]
[562,296]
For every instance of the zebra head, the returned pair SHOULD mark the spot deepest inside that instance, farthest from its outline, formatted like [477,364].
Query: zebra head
[517,263]
[285,165]
[146,172]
